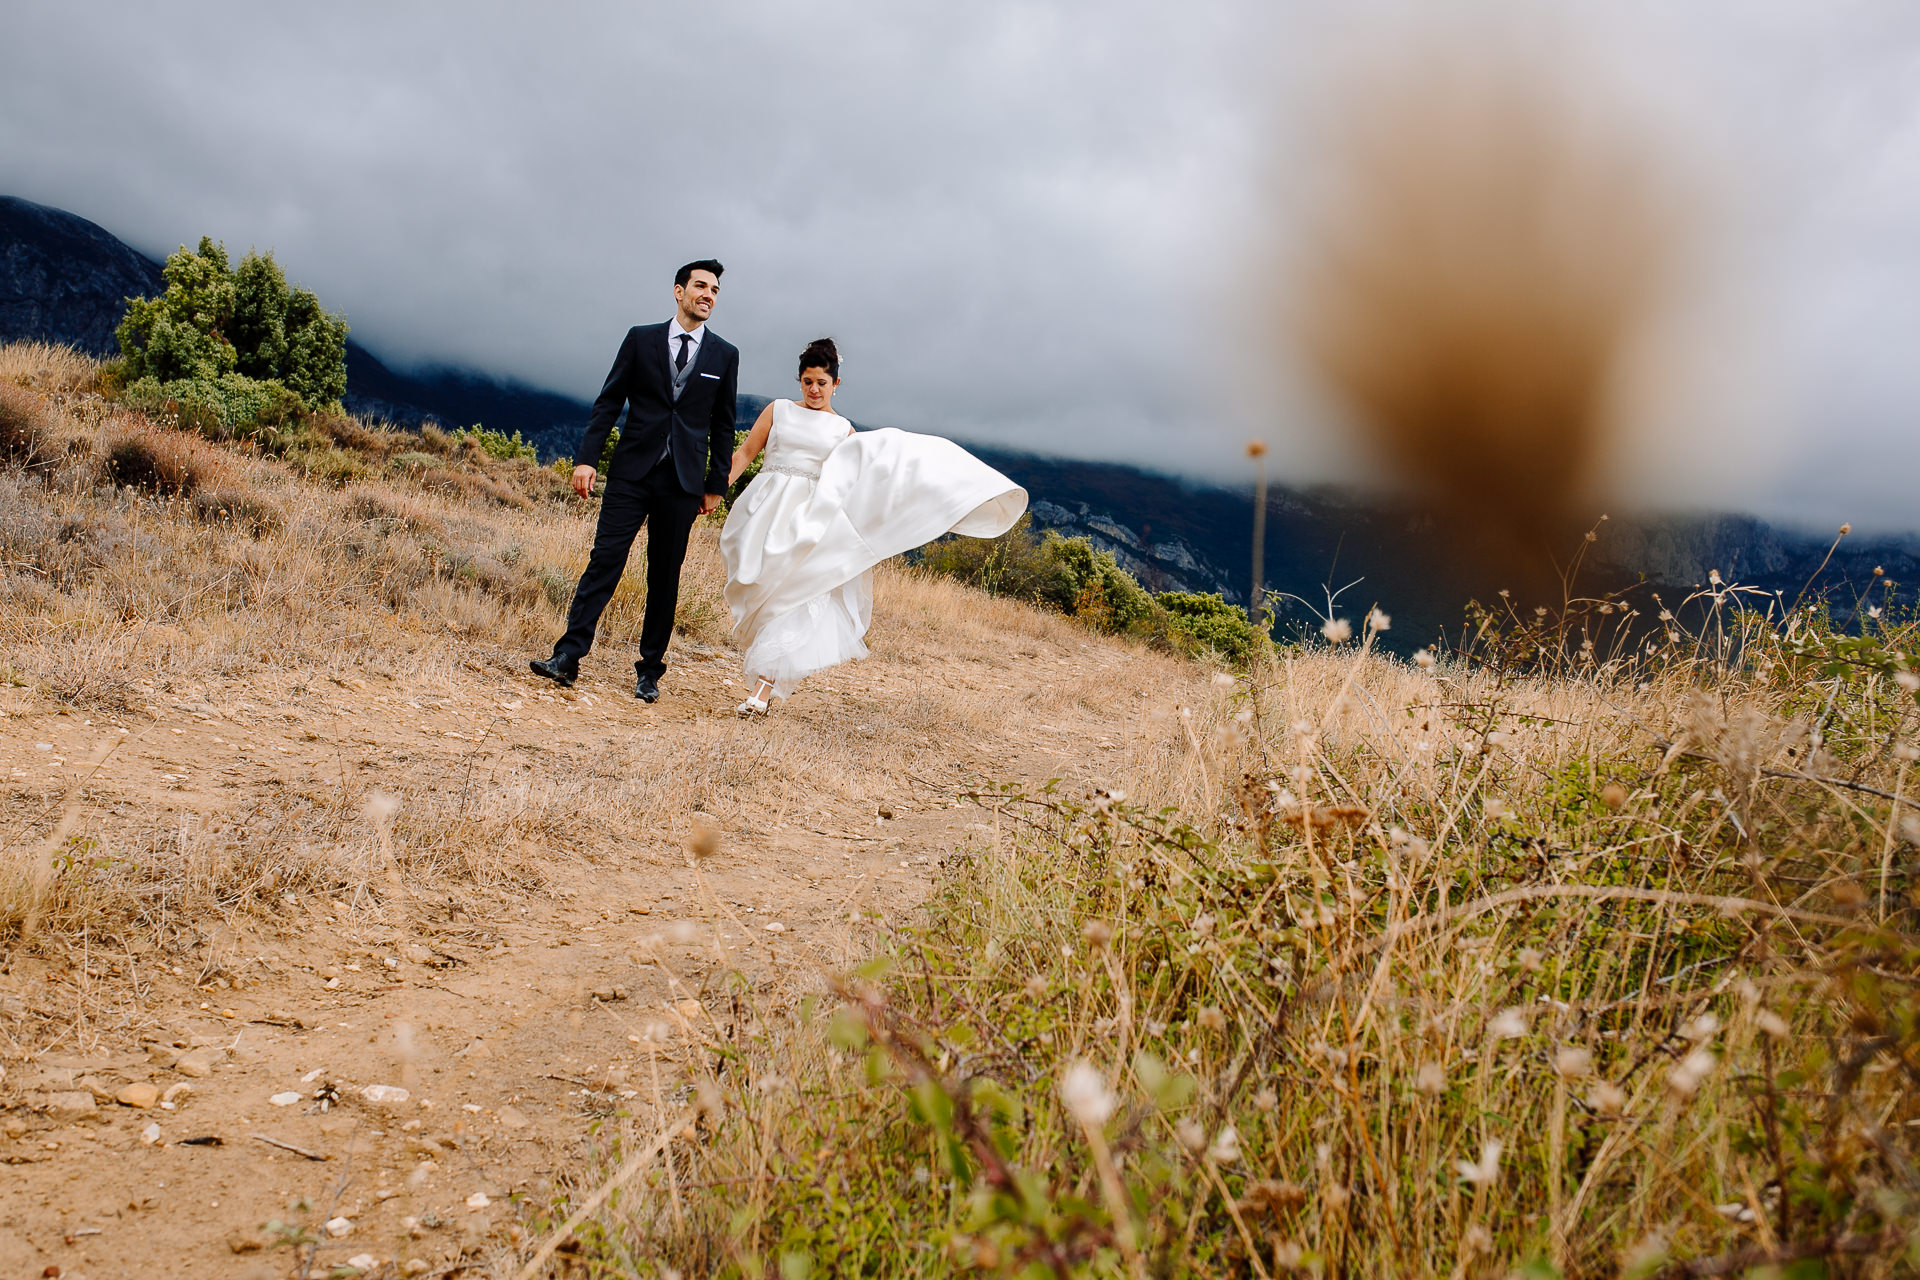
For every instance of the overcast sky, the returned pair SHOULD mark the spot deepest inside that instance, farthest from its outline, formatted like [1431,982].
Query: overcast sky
[1034,224]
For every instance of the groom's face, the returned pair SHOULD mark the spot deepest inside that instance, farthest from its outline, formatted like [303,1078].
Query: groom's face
[697,296]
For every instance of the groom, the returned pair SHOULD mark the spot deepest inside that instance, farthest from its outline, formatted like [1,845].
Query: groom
[677,382]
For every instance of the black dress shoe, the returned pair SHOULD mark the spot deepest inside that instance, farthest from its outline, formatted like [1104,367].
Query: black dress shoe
[646,688]
[558,670]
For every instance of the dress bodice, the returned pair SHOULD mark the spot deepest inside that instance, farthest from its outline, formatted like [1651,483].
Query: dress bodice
[801,439]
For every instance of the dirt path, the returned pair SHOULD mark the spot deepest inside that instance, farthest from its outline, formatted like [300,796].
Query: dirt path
[518,1023]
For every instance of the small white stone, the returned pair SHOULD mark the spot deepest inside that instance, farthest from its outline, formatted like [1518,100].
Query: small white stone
[478,1200]
[774,927]
[384,1094]
[284,1099]
[337,1227]
[150,1135]
[363,1262]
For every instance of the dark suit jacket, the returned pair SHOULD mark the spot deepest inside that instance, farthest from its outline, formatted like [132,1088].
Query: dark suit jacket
[698,429]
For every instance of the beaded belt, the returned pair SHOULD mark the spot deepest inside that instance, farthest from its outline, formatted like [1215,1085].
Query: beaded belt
[790,471]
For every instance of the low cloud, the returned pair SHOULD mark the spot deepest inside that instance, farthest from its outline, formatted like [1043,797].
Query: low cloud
[1029,224]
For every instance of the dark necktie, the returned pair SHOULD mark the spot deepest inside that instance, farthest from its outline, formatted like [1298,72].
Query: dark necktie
[680,361]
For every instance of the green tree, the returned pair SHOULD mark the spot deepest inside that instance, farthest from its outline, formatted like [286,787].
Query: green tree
[182,333]
[230,347]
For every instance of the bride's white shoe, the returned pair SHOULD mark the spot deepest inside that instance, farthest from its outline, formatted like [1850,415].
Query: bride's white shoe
[756,703]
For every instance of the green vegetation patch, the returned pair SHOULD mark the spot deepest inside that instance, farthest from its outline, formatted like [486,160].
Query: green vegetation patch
[227,349]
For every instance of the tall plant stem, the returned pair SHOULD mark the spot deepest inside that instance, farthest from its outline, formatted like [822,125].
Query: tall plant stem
[1256,596]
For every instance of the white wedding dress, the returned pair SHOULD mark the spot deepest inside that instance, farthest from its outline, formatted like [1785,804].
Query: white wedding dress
[801,541]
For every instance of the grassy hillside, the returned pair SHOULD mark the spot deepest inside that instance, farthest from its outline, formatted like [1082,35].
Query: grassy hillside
[1606,967]
[1547,958]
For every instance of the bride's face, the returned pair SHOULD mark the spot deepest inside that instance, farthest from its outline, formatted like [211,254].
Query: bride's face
[816,388]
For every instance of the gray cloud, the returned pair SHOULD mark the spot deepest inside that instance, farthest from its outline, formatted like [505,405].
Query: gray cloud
[1026,223]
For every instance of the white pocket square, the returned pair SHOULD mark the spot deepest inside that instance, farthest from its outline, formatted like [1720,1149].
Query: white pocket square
[710,375]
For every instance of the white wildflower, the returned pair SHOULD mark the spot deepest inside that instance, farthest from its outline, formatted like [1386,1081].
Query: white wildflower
[1508,1024]
[1483,1173]
[1685,1077]
[1424,659]
[1572,1062]
[1226,1146]
[1085,1092]
[1431,1079]
[1702,1027]
[1377,620]
[1608,1099]
[1337,630]
[1191,1135]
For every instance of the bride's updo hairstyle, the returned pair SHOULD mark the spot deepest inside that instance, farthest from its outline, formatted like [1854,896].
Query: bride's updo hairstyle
[821,354]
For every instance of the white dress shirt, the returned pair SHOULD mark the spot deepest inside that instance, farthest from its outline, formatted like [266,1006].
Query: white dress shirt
[674,331]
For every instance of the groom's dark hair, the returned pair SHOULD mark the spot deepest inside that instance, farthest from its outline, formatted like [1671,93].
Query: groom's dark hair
[685,273]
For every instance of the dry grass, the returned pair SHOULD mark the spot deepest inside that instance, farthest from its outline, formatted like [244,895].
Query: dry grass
[1427,973]
[1648,927]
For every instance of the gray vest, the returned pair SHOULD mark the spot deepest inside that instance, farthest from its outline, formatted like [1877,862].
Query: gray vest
[678,377]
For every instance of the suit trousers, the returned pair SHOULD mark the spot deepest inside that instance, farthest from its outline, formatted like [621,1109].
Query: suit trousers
[668,511]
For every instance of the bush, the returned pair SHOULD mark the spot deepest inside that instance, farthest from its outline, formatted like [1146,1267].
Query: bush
[162,462]
[498,444]
[328,465]
[25,440]
[350,433]
[1104,593]
[220,408]
[1209,622]
[1017,564]
[1074,577]
[243,510]
[232,348]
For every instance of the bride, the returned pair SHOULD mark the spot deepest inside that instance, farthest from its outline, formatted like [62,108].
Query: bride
[801,541]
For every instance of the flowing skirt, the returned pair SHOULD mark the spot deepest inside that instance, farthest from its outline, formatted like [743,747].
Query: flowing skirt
[800,551]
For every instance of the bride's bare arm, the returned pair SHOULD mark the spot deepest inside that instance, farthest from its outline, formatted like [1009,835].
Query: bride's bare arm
[750,447]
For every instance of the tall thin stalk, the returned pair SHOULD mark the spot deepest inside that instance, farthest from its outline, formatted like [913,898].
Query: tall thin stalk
[1256,598]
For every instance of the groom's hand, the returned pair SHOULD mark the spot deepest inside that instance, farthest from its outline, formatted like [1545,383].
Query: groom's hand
[709,504]
[583,480]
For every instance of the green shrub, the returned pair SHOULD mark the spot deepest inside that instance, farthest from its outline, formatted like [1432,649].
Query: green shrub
[1103,592]
[221,408]
[498,444]
[1017,564]
[1209,622]
[1074,577]
[232,349]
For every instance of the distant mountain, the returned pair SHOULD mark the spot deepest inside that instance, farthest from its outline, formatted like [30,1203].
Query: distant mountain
[64,279]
